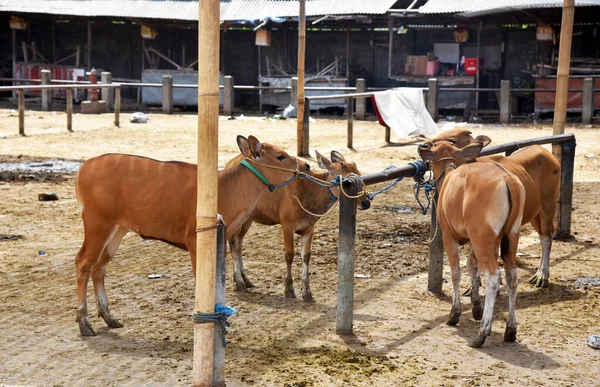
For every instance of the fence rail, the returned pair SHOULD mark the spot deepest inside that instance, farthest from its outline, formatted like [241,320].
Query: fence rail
[347,219]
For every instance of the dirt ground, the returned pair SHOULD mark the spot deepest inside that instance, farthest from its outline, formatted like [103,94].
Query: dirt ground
[400,336]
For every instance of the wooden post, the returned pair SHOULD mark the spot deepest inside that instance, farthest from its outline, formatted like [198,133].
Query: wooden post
[117,105]
[436,253]
[390,45]
[347,234]
[565,201]
[70,109]
[302,146]
[361,103]
[228,95]
[207,192]
[294,92]
[46,93]
[477,65]
[587,108]
[167,94]
[562,74]
[107,93]
[21,102]
[505,99]
[306,123]
[350,119]
[219,358]
[387,134]
[25,53]
[432,98]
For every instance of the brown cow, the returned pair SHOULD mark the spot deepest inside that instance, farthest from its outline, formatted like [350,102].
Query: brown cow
[539,171]
[157,200]
[480,203]
[281,207]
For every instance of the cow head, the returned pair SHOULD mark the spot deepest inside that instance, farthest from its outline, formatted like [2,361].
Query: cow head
[338,166]
[460,138]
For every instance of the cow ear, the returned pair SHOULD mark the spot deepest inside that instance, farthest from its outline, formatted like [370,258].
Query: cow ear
[324,163]
[337,157]
[470,152]
[255,147]
[244,145]
[485,140]
[425,152]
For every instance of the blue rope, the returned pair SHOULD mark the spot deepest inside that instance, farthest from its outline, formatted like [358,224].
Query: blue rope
[220,315]
[420,169]
[371,196]
[428,188]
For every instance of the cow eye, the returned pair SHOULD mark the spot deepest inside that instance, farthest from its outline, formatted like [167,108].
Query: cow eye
[281,157]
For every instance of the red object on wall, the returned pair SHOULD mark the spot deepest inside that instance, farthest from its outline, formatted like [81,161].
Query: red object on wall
[471,66]
[32,71]
[544,101]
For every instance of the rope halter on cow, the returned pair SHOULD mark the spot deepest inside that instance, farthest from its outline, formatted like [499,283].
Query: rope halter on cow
[430,185]
[272,187]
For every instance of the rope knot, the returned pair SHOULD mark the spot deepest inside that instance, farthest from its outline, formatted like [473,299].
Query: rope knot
[220,315]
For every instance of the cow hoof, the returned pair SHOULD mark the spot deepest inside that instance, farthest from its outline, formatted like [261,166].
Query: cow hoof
[112,323]
[453,320]
[478,342]
[85,328]
[308,298]
[477,312]
[290,293]
[249,285]
[240,287]
[510,335]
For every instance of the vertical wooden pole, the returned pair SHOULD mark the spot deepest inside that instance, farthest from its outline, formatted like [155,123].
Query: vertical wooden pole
[564,62]
[387,134]
[21,102]
[347,231]
[107,93]
[228,96]
[478,65]
[505,101]
[350,118]
[70,109]
[117,105]
[436,253]
[361,103]
[53,42]
[207,193]
[587,107]
[219,359]
[391,45]
[294,92]
[47,93]
[302,145]
[565,203]
[167,94]
[347,55]
[432,98]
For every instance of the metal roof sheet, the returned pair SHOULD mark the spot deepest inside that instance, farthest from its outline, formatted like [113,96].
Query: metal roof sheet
[480,7]
[188,9]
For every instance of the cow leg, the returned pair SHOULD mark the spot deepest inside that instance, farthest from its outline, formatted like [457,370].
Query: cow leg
[288,243]
[545,229]
[98,274]
[242,283]
[510,268]
[87,257]
[306,243]
[453,258]
[475,284]
[488,262]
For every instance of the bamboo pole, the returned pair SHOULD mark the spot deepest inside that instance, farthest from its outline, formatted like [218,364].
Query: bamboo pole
[207,196]
[70,109]
[302,142]
[564,61]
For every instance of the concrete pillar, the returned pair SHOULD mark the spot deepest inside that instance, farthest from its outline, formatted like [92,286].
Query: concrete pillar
[228,96]
[432,98]
[46,94]
[294,93]
[167,94]
[505,102]
[107,94]
[361,103]
[587,108]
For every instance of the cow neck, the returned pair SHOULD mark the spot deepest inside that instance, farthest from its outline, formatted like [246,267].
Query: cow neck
[441,170]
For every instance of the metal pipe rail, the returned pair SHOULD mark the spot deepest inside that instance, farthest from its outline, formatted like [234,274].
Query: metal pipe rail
[347,220]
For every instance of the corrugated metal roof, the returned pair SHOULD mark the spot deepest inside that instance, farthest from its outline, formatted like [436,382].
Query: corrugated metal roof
[473,7]
[188,10]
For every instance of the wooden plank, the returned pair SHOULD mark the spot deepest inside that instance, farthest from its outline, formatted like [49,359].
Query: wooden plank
[346,251]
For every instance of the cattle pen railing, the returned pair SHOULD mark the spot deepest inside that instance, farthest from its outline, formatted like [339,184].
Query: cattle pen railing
[347,219]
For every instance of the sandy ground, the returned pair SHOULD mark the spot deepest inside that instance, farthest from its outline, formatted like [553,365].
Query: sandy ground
[400,336]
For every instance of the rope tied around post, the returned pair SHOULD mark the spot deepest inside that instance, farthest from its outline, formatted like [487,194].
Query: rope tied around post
[218,222]
[429,186]
[220,315]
